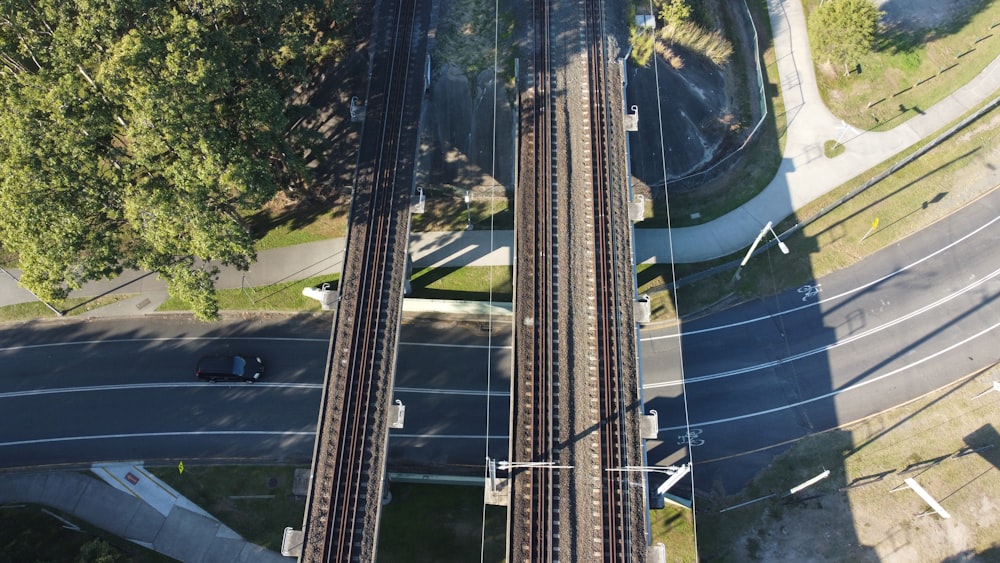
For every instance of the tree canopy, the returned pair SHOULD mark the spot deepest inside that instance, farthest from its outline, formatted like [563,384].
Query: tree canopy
[844,30]
[133,133]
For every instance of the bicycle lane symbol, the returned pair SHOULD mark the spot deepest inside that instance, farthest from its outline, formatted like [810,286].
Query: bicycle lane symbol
[692,438]
[810,291]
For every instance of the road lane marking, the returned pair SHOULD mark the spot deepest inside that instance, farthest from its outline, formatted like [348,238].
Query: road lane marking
[836,392]
[810,291]
[472,346]
[832,297]
[158,339]
[258,385]
[159,435]
[828,347]
[134,386]
[283,433]
[249,338]
[692,438]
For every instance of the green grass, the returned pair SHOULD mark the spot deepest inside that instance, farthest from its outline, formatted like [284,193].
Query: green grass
[832,148]
[422,523]
[285,296]
[674,527]
[471,283]
[909,70]
[75,306]
[866,460]
[435,523]
[445,210]
[943,180]
[28,534]
[713,195]
[900,62]
[300,223]
[259,520]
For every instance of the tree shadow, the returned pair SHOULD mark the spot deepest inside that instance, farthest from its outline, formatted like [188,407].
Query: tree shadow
[905,27]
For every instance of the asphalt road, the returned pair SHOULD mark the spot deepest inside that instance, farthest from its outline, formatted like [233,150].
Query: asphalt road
[78,392]
[915,316]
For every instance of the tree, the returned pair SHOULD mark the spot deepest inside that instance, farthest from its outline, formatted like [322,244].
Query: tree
[675,12]
[138,133]
[844,30]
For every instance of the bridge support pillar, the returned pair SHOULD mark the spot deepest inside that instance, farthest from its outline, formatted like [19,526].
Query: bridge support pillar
[656,553]
[397,414]
[641,309]
[497,488]
[650,425]
[291,542]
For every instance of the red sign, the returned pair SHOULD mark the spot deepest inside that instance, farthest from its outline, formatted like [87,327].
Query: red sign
[131,478]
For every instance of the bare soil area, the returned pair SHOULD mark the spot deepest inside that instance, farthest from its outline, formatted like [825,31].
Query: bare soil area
[947,442]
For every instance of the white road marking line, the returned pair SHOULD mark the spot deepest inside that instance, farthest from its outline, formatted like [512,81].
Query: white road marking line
[832,297]
[285,433]
[158,435]
[242,386]
[836,392]
[159,339]
[134,386]
[828,347]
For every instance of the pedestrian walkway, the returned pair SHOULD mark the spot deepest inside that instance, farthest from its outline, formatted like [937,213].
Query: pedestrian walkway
[805,174]
[139,508]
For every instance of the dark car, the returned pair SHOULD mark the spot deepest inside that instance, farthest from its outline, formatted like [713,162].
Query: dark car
[230,368]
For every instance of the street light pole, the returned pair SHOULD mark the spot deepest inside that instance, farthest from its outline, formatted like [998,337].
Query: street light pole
[468,210]
[781,246]
[763,232]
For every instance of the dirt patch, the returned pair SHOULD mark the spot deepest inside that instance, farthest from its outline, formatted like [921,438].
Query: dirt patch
[946,441]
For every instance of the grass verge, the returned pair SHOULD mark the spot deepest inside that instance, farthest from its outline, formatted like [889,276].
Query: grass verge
[674,528]
[704,197]
[471,283]
[947,441]
[31,533]
[445,209]
[940,182]
[255,501]
[38,310]
[300,223]
[285,296]
[910,69]
[422,523]
[907,73]
[436,523]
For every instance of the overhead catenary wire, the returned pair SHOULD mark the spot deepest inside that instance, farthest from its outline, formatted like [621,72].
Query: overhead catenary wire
[676,296]
[489,334]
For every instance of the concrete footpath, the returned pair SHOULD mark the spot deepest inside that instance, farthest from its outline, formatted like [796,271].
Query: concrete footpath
[804,175]
[127,501]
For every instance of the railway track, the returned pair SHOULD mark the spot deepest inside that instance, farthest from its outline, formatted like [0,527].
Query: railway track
[348,462]
[575,377]
[616,525]
[534,535]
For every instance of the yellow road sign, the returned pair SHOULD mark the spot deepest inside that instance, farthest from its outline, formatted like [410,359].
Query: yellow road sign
[180,467]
